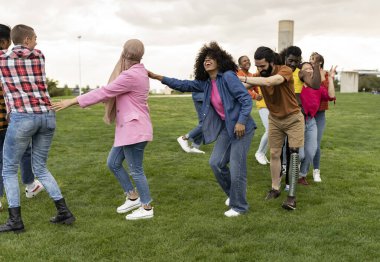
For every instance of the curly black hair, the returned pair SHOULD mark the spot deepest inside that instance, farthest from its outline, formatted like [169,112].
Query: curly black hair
[213,50]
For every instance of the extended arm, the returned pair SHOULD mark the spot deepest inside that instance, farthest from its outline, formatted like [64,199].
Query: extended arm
[180,85]
[331,81]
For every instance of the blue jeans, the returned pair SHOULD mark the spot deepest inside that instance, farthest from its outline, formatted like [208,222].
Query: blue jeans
[23,128]
[320,118]
[195,135]
[307,152]
[263,147]
[134,155]
[232,179]
[27,175]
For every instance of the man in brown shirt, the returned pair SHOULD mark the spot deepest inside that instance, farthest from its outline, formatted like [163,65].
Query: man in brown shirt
[285,118]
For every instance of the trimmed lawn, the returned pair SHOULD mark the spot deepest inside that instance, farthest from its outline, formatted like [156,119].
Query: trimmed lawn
[336,220]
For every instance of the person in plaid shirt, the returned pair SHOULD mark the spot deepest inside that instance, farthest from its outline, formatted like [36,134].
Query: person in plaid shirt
[33,187]
[22,73]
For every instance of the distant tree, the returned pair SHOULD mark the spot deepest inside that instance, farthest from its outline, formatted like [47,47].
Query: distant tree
[369,83]
[86,89]
[53,88]
[67,91]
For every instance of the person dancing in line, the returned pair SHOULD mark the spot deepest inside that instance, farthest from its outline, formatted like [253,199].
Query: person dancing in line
[33,186]
[285,118]
[126,97]
[226,119]
[255,92]
[195,135]
[32,120]
[320,117]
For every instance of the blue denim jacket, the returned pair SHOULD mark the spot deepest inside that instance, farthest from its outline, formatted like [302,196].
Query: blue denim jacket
[236,101]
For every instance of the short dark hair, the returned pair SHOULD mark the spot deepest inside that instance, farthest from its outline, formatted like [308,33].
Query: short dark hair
[5,32]
[20,32]
[277,59]
[266,53]
[240,58]
[213,50]
[293,50]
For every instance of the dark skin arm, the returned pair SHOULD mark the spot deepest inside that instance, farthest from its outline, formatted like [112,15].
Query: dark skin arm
[314,80]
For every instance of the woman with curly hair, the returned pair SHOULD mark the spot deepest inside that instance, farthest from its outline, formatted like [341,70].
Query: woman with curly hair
[225,119]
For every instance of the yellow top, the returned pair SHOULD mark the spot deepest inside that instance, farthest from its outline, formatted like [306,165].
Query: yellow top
[297,82]
[261,103]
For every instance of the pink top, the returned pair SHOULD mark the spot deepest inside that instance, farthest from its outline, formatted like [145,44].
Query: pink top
[216,101]
[311,99]
[131,89]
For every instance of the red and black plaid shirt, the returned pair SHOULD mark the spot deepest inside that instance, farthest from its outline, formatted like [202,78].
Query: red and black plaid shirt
[22,72]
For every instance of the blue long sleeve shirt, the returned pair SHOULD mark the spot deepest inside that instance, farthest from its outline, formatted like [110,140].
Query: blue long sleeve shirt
[236,101]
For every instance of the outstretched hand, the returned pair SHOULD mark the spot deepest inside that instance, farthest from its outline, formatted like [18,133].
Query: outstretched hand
[332,71]
[57,106]
[154,76]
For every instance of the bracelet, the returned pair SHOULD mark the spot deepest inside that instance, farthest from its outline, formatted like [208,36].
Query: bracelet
[245,81]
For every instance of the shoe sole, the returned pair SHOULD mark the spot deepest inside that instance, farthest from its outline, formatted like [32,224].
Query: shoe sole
[288,207]
[128,209]
[68,221]
[137,218]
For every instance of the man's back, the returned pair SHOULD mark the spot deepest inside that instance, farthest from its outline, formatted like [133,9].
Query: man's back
[22,72]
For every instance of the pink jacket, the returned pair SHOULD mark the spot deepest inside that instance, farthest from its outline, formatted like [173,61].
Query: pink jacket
[131,89]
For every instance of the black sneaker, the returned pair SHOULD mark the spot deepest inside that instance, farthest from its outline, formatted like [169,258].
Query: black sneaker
[289,203]
[272,194]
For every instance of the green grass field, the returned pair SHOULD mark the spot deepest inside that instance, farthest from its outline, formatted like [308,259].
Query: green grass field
[336,220]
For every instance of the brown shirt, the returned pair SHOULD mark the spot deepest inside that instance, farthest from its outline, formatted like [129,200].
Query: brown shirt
[281,99]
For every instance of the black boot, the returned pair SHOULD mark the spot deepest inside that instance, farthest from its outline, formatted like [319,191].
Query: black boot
[14,222]
[64,216]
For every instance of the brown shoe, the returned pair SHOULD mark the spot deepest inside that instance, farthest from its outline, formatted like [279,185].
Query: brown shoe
[272,194]
[303,181]
[289,203]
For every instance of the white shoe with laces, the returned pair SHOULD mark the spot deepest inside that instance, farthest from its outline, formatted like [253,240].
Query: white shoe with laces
[231,213]
[140,213]
[184,144]
[317,175]
[260,157]
[227,202]
[128,205]
[33,189]
[196,150]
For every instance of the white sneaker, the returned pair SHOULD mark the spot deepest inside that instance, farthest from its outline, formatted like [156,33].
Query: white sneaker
[196,151]
[231,213]
[287,187]
[184,144]
[140,213]
[266,159]
[1,206]
[33,190]
[227,202]
[317,175]
[260,157]
[128,206]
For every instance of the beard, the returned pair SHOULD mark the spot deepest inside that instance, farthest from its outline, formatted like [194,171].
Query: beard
[267,72]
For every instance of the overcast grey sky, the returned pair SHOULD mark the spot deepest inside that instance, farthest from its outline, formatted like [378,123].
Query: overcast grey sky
[347,33]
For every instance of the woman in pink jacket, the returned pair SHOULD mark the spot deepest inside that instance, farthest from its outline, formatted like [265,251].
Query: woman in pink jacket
[126,97]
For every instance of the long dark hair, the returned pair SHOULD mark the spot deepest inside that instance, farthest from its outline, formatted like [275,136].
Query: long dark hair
[213,50]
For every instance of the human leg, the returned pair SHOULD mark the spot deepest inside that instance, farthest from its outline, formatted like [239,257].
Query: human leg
[115,164]
[320,119]
[41,142]
[219,160]
[238,171]
[263,147]
[310,146]
[33,186]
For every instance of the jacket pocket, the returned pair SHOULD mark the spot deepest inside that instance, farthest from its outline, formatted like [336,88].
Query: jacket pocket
[130,117]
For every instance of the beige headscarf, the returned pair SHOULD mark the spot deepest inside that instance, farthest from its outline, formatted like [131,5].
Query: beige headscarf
[133,51]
